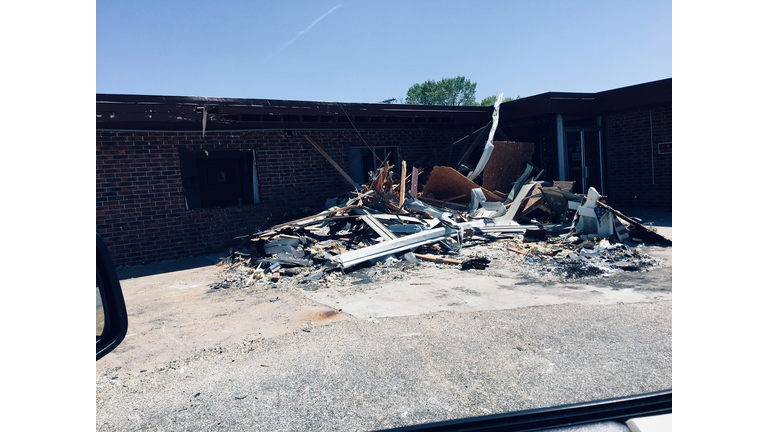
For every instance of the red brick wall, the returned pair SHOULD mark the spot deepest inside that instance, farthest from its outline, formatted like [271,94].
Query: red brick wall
[638,175]
[140,209]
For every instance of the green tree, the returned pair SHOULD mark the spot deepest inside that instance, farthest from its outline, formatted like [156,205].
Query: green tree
[447,91]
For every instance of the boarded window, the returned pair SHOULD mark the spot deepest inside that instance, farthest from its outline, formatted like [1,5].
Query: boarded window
[218,178]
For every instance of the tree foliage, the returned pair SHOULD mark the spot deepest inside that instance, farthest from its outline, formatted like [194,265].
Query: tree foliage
[447,91]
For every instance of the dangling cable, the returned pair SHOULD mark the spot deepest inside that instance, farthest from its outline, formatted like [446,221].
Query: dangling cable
[378,161]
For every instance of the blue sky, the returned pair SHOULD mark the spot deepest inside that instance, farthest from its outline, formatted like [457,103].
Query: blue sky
[58,53]
[366,51]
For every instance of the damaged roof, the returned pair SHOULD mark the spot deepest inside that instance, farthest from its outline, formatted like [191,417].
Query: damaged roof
[186,113]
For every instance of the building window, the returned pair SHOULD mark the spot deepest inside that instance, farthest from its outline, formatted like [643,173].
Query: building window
[365,160]
[218,178]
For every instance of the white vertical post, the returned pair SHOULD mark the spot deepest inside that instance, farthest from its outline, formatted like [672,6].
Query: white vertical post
[562,154]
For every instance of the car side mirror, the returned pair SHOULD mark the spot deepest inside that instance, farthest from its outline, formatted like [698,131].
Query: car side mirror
[111,316]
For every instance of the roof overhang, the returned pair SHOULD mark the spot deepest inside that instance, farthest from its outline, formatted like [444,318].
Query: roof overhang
[139,112]
[184,113]
[601,103]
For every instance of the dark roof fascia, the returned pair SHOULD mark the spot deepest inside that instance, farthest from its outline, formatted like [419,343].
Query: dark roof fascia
[625,98]
[185,113]
[280,104]
[545,104]
[635,97]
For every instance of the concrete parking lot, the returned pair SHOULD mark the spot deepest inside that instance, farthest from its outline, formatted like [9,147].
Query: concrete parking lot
[435,344]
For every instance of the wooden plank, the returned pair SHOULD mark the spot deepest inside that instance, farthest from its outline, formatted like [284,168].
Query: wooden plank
[637,229]
[518,250]
[451,199]
[556,199]
[446,182]
[402,184]
[335,165]
[534,201]
[441,202]
[286,236]
[320,218]
[437,259]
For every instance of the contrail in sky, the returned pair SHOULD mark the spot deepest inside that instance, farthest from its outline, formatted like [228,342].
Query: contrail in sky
[286,45]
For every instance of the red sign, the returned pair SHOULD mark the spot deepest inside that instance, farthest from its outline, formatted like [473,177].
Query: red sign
[665,147]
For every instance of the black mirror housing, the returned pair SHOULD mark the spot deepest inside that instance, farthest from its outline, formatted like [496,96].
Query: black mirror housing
[115,315]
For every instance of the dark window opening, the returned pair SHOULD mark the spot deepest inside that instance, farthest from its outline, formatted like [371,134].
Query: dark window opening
[366,160]
[218,178]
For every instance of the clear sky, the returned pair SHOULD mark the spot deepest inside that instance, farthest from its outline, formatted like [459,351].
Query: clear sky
[369,51]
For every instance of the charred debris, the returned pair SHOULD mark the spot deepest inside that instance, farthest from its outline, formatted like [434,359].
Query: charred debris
[411,215]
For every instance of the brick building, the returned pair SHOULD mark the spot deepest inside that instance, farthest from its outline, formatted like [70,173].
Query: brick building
[165,190]
[617,141]
[183,176]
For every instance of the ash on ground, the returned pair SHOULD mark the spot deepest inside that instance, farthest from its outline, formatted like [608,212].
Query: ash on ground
[555,259]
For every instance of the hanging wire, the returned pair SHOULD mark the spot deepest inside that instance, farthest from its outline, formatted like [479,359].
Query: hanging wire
[378,161]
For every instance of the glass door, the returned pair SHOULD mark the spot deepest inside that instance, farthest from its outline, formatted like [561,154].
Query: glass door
[593,160]
[573,141]
[584,159]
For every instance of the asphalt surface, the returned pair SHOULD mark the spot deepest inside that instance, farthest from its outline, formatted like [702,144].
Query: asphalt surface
[371,370]
[369,374]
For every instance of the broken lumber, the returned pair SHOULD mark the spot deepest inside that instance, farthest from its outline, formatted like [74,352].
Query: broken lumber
[638,229]
[518,250]
[437,259]
[446,182]
[402,185]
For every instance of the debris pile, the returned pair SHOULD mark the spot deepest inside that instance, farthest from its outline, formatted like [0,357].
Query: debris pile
[565,258]
[395,219]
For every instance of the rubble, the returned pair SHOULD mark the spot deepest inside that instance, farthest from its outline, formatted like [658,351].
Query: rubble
[395,223]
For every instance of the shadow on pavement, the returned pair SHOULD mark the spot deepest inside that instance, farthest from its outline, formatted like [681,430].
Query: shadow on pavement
[168,266]
[649,216]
